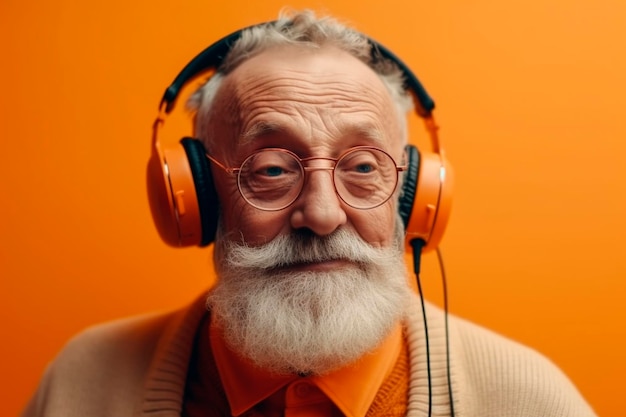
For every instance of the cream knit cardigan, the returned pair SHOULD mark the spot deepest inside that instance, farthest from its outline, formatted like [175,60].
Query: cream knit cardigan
[138,367]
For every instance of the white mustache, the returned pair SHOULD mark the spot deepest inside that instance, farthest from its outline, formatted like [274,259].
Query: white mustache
[303,247]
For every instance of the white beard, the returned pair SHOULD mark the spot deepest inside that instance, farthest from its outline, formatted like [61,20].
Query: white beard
[308,322]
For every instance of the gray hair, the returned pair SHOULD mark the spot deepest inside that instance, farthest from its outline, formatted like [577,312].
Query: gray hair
[304,29]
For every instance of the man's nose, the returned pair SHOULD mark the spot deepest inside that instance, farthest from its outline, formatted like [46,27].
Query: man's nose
[318,207]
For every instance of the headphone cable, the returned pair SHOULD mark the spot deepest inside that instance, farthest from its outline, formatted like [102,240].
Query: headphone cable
[444,283]
[417,245]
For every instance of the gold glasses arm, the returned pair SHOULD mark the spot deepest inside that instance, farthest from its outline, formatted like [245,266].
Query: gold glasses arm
[228,170]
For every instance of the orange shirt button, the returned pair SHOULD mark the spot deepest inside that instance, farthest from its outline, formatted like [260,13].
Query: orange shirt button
[305,399]
[303,389]
[303,392]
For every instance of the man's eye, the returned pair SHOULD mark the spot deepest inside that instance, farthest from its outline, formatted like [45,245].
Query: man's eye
[273,171]
[364,168]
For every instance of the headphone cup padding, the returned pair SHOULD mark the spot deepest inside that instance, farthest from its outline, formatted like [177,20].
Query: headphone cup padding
[205,189]
[409,184]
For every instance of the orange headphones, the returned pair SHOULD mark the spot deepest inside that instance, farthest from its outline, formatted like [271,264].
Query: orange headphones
[183,200]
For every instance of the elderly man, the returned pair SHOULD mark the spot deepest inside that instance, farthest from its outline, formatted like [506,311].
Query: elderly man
[313,314]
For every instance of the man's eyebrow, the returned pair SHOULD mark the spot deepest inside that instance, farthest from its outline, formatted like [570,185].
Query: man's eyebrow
[259,129]
[266,128]
[370,133]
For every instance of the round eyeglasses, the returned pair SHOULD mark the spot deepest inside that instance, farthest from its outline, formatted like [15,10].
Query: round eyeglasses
[272,179]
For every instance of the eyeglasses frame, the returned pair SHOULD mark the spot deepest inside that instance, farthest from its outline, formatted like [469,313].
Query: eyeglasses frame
[305,169]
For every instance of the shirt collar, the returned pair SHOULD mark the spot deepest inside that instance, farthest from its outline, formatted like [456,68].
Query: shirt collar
[352,388]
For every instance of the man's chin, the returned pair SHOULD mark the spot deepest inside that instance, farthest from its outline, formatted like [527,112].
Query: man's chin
[305,364]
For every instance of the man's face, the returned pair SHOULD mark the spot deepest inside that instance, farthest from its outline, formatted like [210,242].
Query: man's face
[316,285]
[315,103]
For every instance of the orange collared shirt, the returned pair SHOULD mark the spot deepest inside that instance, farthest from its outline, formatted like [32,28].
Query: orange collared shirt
[346,392]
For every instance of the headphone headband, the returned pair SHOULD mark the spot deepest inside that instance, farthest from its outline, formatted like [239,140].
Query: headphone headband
[211,57]
[214,55]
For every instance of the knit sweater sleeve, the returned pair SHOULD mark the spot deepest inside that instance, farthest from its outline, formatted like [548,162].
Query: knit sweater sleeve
[501,378]
[99,372]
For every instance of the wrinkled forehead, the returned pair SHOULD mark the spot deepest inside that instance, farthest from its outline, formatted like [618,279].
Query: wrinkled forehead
[327,87]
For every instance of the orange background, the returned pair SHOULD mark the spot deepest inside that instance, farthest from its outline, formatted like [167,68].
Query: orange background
[530,97]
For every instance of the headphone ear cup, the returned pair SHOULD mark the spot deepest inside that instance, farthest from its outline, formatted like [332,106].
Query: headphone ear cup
[180,192]
[205,189]
[168,193]
[431,189]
